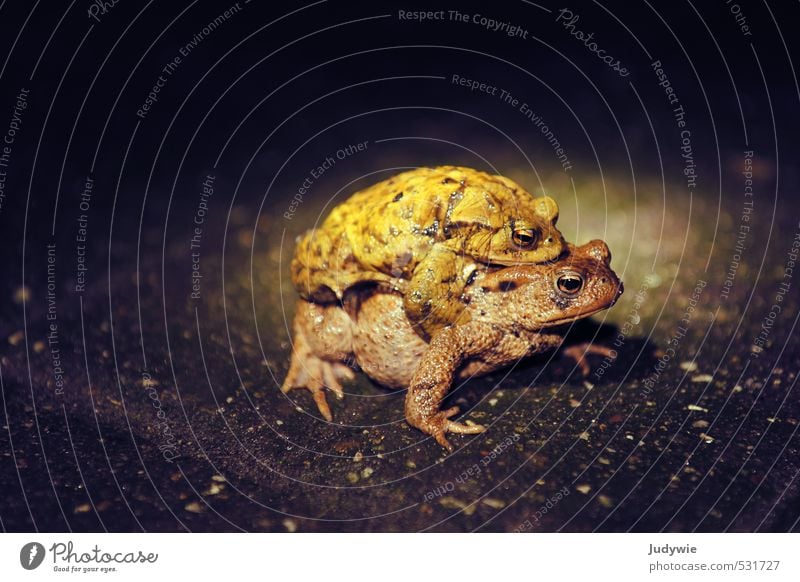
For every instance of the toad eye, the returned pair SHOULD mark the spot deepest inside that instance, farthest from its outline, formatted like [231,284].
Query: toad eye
[525,238]
[569,283]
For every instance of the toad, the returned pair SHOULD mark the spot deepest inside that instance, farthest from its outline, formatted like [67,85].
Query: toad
[424,232]
[514,312]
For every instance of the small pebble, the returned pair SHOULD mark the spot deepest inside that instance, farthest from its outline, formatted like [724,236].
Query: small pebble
[451,502]
[195,507]
[689,366]
[290,525]
[358,457]
[702,378]
[494,503]
[22,294]
[605,501]
[213,489]
[585,488]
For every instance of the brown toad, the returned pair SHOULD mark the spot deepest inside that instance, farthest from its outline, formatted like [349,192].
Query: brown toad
[515,312]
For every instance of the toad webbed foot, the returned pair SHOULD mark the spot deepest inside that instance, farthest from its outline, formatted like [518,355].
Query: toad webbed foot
[322,343]
[579,352]
[314,375]
[439,425]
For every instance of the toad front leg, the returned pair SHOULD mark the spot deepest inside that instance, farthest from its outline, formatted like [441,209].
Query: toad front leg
[432,379]
[433,297]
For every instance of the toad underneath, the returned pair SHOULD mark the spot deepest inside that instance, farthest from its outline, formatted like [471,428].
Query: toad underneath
[514,312]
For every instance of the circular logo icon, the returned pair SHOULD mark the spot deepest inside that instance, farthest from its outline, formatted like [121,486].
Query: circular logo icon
[31,555]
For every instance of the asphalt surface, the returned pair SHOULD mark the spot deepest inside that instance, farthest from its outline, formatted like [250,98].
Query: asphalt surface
[702,438]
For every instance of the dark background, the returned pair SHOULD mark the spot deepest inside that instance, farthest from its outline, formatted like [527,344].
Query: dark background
[264,99]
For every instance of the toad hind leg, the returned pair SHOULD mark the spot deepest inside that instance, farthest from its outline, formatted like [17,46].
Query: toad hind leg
[322,342]
[432,379]
[579,352]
